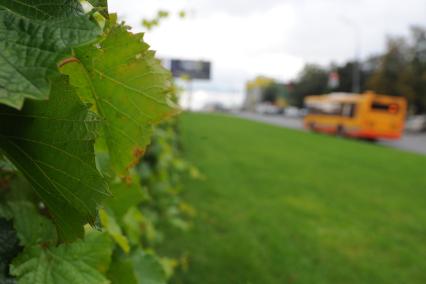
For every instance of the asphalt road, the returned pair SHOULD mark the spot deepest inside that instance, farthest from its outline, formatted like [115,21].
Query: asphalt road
[411,142]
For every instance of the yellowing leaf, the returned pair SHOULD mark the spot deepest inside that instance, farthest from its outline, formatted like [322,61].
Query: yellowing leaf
[113,229]
[131,91]
[134,224]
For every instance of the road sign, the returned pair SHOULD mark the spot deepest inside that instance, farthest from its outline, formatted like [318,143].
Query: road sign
[190,68]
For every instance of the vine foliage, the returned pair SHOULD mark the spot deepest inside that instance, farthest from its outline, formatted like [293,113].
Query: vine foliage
[79,97]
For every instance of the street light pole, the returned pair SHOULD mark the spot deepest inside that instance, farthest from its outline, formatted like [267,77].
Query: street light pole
[356,88]
[356,76]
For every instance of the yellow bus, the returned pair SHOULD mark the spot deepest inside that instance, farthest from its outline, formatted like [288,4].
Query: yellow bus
[368,115]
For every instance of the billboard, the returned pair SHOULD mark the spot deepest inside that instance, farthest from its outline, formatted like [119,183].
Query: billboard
[194,69]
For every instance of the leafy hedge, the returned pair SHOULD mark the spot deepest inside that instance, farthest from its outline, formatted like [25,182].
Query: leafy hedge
[79,98]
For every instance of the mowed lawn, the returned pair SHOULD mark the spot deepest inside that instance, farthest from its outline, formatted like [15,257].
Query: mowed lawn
[282,206]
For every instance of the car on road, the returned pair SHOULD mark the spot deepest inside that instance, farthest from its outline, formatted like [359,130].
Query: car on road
[292,112]
[416,123]
[266,108]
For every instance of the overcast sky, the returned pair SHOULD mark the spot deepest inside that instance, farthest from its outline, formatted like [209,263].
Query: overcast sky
[245,38]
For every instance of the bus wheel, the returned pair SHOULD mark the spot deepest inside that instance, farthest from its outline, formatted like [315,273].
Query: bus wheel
[312,126]
[370,140]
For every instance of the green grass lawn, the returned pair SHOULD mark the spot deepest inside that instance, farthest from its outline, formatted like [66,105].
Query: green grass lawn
[281,206]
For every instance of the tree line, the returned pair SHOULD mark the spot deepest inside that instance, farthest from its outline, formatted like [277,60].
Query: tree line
[399,71]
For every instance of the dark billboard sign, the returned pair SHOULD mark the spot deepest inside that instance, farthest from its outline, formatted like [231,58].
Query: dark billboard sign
[190,68]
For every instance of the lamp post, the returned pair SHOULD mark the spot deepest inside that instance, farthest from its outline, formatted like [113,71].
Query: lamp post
[356,78]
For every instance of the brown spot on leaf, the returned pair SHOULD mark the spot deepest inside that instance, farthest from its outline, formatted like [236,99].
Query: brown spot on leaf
[137,155]
[127,180]
[68,60]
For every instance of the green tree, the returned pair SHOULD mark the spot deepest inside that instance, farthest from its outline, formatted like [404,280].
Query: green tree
[345,73]
[393,67]
[418,68]
[402,69]
[312,80]
[273,92]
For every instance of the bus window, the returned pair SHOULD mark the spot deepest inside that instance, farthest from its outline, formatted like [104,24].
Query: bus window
[348,110]
[353,110]
[325,109]
[391,108]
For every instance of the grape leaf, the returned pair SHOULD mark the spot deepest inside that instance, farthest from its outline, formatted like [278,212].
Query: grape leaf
[148,268]
[124,196]
[21,190]
[31,227]
[6,166]
[130,88]
[51,143]
[140,268]
[83,261]
[121,271]
[5,211]
[101,5]
[113,229]
[34,36]
[134,225]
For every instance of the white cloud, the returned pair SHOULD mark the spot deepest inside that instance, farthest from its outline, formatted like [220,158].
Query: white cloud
[276,38]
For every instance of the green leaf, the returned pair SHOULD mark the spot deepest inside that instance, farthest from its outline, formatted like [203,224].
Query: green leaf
[21,190]
[32,228]
[130,88]
[124,196]
[83,261]
[113,229]
[51,143]
[6,166]
[100,5]
[121,271]
[169,265]
[148,268]
[5,212]
[34,36]
[141,268]
[134,224]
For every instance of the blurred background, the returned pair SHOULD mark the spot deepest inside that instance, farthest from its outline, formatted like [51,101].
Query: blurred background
[265,58]
[282,40]
[288,204]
